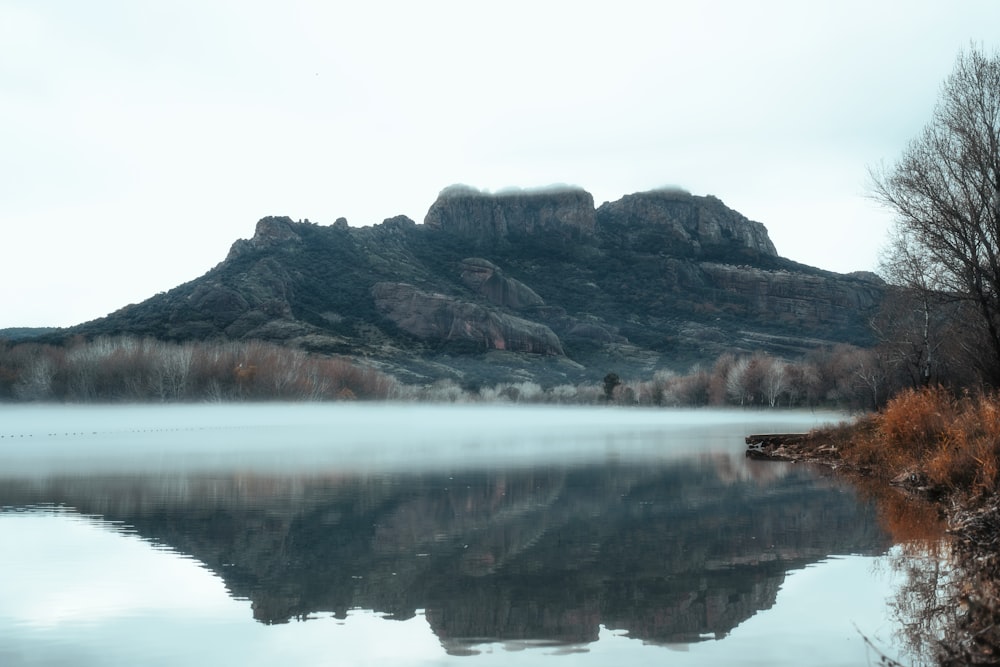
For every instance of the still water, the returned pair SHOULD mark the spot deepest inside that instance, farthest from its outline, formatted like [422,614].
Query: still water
[341,534]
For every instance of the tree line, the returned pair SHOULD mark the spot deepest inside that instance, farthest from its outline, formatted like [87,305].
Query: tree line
[837,376]
[127,368]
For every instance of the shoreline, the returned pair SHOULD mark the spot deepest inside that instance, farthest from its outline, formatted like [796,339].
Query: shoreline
[971,536]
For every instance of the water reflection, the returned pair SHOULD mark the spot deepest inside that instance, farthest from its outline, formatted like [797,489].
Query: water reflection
[423,535]
[675,553]
[945,605]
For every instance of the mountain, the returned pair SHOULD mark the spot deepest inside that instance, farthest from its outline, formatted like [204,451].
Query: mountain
[517,285]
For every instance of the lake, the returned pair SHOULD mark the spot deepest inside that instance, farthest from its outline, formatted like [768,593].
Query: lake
[374,534]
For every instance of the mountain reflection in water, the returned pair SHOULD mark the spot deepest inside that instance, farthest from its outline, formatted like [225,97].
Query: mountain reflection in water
[672,553]
[418,534]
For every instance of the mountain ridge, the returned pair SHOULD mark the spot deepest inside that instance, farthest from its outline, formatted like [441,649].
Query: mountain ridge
[539,285]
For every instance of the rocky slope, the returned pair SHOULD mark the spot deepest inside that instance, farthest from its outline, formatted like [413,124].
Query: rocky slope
[519,285]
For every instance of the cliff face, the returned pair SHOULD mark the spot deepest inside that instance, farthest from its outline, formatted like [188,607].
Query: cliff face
[437,317]
[659,279]
[793,297]
[682,225]
[483,218]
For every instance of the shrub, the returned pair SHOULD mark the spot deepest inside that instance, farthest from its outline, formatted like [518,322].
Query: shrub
[952,443]
[129,368]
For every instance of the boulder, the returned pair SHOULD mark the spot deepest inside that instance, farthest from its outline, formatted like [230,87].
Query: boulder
[437,317]
[488,279]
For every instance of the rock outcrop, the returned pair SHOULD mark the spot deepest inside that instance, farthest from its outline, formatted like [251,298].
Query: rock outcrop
[271,231]
[437,317]
[788,296]
[566,213]
[677,223]
[489,280]
[239,310]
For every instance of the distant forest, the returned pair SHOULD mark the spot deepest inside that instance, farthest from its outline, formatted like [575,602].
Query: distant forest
[127,368]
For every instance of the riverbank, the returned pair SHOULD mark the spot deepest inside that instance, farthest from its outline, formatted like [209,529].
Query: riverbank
[928,446]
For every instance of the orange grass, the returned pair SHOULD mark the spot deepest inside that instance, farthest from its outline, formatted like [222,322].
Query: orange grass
[954,442]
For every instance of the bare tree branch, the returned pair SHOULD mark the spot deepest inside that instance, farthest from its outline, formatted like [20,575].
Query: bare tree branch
[945,191]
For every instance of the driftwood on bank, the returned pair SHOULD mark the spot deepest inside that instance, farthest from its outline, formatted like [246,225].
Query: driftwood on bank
[794,447]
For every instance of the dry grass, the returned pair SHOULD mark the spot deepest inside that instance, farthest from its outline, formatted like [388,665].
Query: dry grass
[947,449]
[126,368]
[951,444]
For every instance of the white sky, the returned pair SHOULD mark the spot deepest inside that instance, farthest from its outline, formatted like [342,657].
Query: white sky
[139,139]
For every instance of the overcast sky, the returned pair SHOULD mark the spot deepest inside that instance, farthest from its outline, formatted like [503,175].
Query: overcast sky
[139,139]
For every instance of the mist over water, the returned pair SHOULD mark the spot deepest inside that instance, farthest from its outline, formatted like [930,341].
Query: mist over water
[260,534]
[345,437]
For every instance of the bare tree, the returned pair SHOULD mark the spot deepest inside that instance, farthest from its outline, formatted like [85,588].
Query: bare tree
[736,381]
[776,381]
[945,192]
[870,375]
[916,320]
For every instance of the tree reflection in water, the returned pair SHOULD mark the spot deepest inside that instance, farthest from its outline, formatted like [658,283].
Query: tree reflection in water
[946,605]
[976,589]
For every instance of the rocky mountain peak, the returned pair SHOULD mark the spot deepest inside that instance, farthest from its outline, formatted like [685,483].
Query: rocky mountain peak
[683,224]
[273,230]
[564,211]
[270,231]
